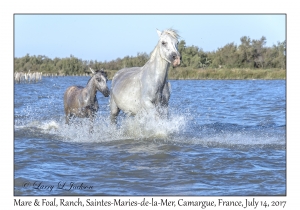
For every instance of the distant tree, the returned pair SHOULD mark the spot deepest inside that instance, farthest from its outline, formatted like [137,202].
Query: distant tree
[181,46]
[258,52]
[226,56]
[276,56]
[249,54]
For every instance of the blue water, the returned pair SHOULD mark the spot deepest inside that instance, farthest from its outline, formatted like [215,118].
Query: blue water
[222,137]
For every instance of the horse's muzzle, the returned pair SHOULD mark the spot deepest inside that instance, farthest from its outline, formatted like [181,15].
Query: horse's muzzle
[176,61]
[106,93]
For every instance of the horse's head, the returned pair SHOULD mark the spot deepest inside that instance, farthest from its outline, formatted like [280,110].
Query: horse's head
[100,80]
[168,41]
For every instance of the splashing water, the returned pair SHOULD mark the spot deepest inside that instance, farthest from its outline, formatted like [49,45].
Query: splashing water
[179,127]
[149,127]
[137,128]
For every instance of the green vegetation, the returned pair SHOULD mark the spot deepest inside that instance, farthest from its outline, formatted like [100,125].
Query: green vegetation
[186,73]
[249,60]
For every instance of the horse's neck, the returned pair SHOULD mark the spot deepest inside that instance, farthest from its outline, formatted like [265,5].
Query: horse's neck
[91,89]
[158,66]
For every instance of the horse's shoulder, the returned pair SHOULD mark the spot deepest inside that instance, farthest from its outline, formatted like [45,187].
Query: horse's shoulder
[127,74]
[132,70]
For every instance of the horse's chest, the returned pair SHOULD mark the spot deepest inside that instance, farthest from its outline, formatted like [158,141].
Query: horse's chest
[86,111]
[87,105]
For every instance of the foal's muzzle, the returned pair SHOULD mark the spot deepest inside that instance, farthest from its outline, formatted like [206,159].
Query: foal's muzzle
[106,93]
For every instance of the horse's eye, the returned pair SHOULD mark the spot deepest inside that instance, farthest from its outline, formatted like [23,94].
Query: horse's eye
[164,43]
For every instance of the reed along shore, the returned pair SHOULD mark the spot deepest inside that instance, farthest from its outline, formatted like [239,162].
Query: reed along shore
[189,73]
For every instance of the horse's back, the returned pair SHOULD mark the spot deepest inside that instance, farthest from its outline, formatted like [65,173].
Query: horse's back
[125,75]
[125,78]
[70,95]
[72,90]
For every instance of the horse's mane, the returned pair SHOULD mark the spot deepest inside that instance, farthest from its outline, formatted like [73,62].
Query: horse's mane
[170,31]
[96,72]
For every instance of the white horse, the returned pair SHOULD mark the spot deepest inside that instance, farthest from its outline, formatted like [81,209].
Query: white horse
[146,88]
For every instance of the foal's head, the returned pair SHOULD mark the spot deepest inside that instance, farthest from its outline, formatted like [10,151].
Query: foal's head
[100,80]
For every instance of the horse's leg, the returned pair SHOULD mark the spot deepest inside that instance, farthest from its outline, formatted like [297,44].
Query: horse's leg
[114,111]
[149,106]
[91,117]
[68,115]
[165,99]
[91,129]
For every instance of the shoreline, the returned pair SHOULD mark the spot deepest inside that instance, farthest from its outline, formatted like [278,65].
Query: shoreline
[185,73]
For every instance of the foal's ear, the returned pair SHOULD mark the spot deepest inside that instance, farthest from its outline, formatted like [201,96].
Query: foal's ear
[158,32]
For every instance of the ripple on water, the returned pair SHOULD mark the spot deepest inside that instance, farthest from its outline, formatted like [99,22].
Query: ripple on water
[227,138]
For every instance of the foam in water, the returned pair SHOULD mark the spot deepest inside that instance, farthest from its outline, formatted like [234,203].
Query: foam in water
[138,127]
[180,127]
[147,126]
[49,125]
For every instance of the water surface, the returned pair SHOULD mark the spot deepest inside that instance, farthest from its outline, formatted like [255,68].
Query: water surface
[222,137]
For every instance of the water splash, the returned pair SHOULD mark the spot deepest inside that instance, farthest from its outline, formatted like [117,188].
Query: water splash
[51,125]
[143,126]
[136,128]
[149,126]
[181,127]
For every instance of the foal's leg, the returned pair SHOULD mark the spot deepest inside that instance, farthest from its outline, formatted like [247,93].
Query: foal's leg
[92,116]
[114,111]
[91,130]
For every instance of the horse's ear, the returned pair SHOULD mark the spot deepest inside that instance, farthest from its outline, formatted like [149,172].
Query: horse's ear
[158,32]
[92,70]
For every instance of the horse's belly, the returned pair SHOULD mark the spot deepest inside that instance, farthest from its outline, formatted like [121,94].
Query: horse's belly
[127,97]
[126,90]
[128,101]
[131,108]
